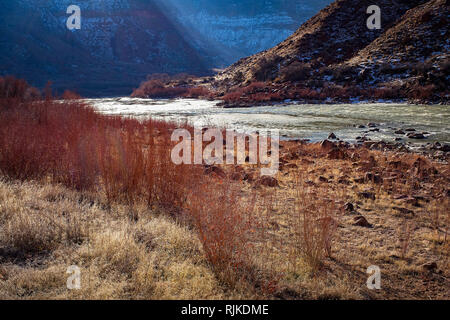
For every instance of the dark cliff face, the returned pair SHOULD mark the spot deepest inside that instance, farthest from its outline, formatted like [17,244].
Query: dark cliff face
[117,46]
[238,28]
[121,41]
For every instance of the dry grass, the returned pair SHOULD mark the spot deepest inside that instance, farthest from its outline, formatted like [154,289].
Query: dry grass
[153,258]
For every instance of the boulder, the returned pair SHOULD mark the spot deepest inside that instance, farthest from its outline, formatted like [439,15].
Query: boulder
[268,181]
[417,136]
[360,221]
[337,154]
[445,148]
[237,176]
[359,180]
[327,145]
[367,195]
[214,170]
[332,136]
[429,266]
[403,210]
[248,176]
[375,178]
[349,207]
[289,166]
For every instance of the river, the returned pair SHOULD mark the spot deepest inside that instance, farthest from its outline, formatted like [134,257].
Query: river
[313,122]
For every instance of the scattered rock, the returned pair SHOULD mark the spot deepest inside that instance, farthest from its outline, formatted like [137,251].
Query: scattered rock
[306,161]
[337,154]
[248,177]
[372,125]
[289,166]
[418,136]
[404,210]
[237,176]
[367,195]
[327,145]
[375,178]
[268,181]
[332,136]
[214,170]
[310,183]
[349,207]
[429,266]
[399,132]
[323,179]
[360,221]
[410,200]
[359,180]
[344,181]
[445,148]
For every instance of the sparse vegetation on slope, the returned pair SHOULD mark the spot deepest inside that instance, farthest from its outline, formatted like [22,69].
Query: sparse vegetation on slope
[406,59]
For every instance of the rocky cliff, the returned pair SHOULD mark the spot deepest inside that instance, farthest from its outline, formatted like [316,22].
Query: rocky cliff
[407,58]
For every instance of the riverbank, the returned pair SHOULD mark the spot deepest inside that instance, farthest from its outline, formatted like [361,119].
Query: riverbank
[257,93]
[387,209]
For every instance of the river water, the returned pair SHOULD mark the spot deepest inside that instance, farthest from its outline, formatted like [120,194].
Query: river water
[314,122]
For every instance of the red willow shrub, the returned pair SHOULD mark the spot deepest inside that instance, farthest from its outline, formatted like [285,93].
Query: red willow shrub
[225,226]
[125,160]
[158,89]
[256,92]
[68,142]
[422,92]
[198,92]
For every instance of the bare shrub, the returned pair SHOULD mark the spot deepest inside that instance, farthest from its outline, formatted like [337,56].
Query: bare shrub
[296,71]
[314,225]
[266,68]
[224,223]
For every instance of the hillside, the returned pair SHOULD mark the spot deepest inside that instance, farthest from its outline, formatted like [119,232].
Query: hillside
[420,56]
[336,49]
